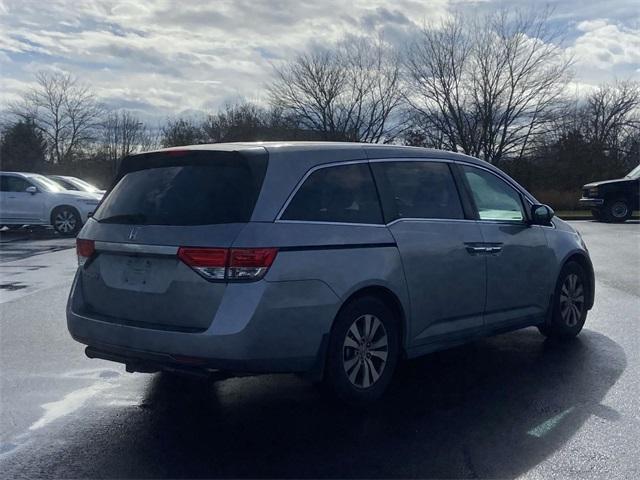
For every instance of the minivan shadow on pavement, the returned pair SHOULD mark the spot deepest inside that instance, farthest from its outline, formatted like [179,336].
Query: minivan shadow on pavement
[22,243]
[494,408]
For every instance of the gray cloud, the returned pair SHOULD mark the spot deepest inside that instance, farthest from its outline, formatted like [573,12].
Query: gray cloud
[163,58]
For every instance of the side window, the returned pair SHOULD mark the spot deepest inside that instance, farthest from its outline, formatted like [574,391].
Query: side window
[494,198]
[345,193]
[13,184]
[419,189]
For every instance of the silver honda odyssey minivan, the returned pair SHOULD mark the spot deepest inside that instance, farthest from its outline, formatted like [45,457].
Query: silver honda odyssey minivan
[336,260]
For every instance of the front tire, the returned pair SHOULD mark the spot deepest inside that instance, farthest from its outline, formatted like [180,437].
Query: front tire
[569,310]
[363,351]
[617,211]
[66,221]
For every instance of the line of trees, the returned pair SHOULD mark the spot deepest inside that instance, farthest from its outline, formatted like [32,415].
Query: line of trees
[493,87]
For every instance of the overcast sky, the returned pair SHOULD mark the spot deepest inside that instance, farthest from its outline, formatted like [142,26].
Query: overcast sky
[161,58]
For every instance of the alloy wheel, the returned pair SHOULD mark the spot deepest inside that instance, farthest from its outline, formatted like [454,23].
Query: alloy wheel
[572,300]
[365,351]
[65,221]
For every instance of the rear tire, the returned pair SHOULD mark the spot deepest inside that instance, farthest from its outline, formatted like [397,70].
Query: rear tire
[66,221]
[616,211]
[569,310]
[596,214]
[363,351]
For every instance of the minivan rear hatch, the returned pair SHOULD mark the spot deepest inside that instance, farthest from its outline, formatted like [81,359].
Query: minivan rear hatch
[162,201]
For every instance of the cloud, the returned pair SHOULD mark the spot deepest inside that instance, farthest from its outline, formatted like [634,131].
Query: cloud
[384,16]
[604,47]
[164,57]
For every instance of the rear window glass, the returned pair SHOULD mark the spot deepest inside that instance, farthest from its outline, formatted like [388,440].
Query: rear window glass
[343,194]
[204,193]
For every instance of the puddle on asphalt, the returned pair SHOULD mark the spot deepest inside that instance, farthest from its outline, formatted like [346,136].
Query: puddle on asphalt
[75,400]
[69,404]
[104,381]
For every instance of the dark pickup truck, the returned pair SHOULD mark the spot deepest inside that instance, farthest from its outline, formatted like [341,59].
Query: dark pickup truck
[613,200]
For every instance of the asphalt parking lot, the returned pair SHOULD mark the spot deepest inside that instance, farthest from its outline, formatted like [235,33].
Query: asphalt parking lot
[513,406]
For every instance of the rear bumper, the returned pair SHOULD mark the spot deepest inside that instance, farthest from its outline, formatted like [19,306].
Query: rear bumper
[149,362]
[591,202]
[259,327]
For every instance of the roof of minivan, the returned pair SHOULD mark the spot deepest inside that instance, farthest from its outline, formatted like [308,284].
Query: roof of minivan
[289,162]
[370,150]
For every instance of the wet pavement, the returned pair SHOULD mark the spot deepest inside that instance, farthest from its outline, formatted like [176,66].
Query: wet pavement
[505,407]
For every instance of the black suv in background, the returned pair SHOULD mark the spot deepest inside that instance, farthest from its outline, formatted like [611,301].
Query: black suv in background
[613,200]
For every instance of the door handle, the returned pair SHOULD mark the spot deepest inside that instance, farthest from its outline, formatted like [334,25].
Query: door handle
[483,248]
[476,250]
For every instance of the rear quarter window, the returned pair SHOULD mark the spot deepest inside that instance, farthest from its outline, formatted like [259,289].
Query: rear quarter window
[206,191]
[342,194]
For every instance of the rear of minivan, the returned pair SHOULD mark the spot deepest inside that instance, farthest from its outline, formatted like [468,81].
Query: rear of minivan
[162,284]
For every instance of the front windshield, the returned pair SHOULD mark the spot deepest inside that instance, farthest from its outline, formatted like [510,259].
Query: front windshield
[46,184]
[635,173]
[64,184]
[82,185]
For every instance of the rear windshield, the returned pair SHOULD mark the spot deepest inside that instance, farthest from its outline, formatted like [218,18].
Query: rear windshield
[203,191]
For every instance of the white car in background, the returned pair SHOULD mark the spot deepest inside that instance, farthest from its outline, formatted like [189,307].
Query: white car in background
[75,184]
[33,199]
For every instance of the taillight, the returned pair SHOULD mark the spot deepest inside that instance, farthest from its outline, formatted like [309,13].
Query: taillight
[211,263]
[84,249]
[229,264]
[250,263]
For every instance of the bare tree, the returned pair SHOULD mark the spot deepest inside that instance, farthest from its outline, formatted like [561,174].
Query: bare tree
[182,131]
[439,73]
[607,120]
[488,85]
[347,92]
[611,113]
[123,133]
[241,122]
[248,121]
[66,112]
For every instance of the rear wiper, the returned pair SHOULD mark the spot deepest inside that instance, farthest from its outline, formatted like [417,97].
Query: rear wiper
[127,218]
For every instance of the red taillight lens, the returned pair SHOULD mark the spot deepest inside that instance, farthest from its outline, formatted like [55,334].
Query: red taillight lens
[250,263]
[179,152]
[211,263]
[204,257]
[232,264]
[252,257]
[84,249]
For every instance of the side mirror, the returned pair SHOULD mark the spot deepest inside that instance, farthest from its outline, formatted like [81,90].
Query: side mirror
[32,190]
[541,214]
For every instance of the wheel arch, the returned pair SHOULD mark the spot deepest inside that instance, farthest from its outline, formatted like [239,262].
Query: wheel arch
[64,205]
[583,260]
[390,298]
